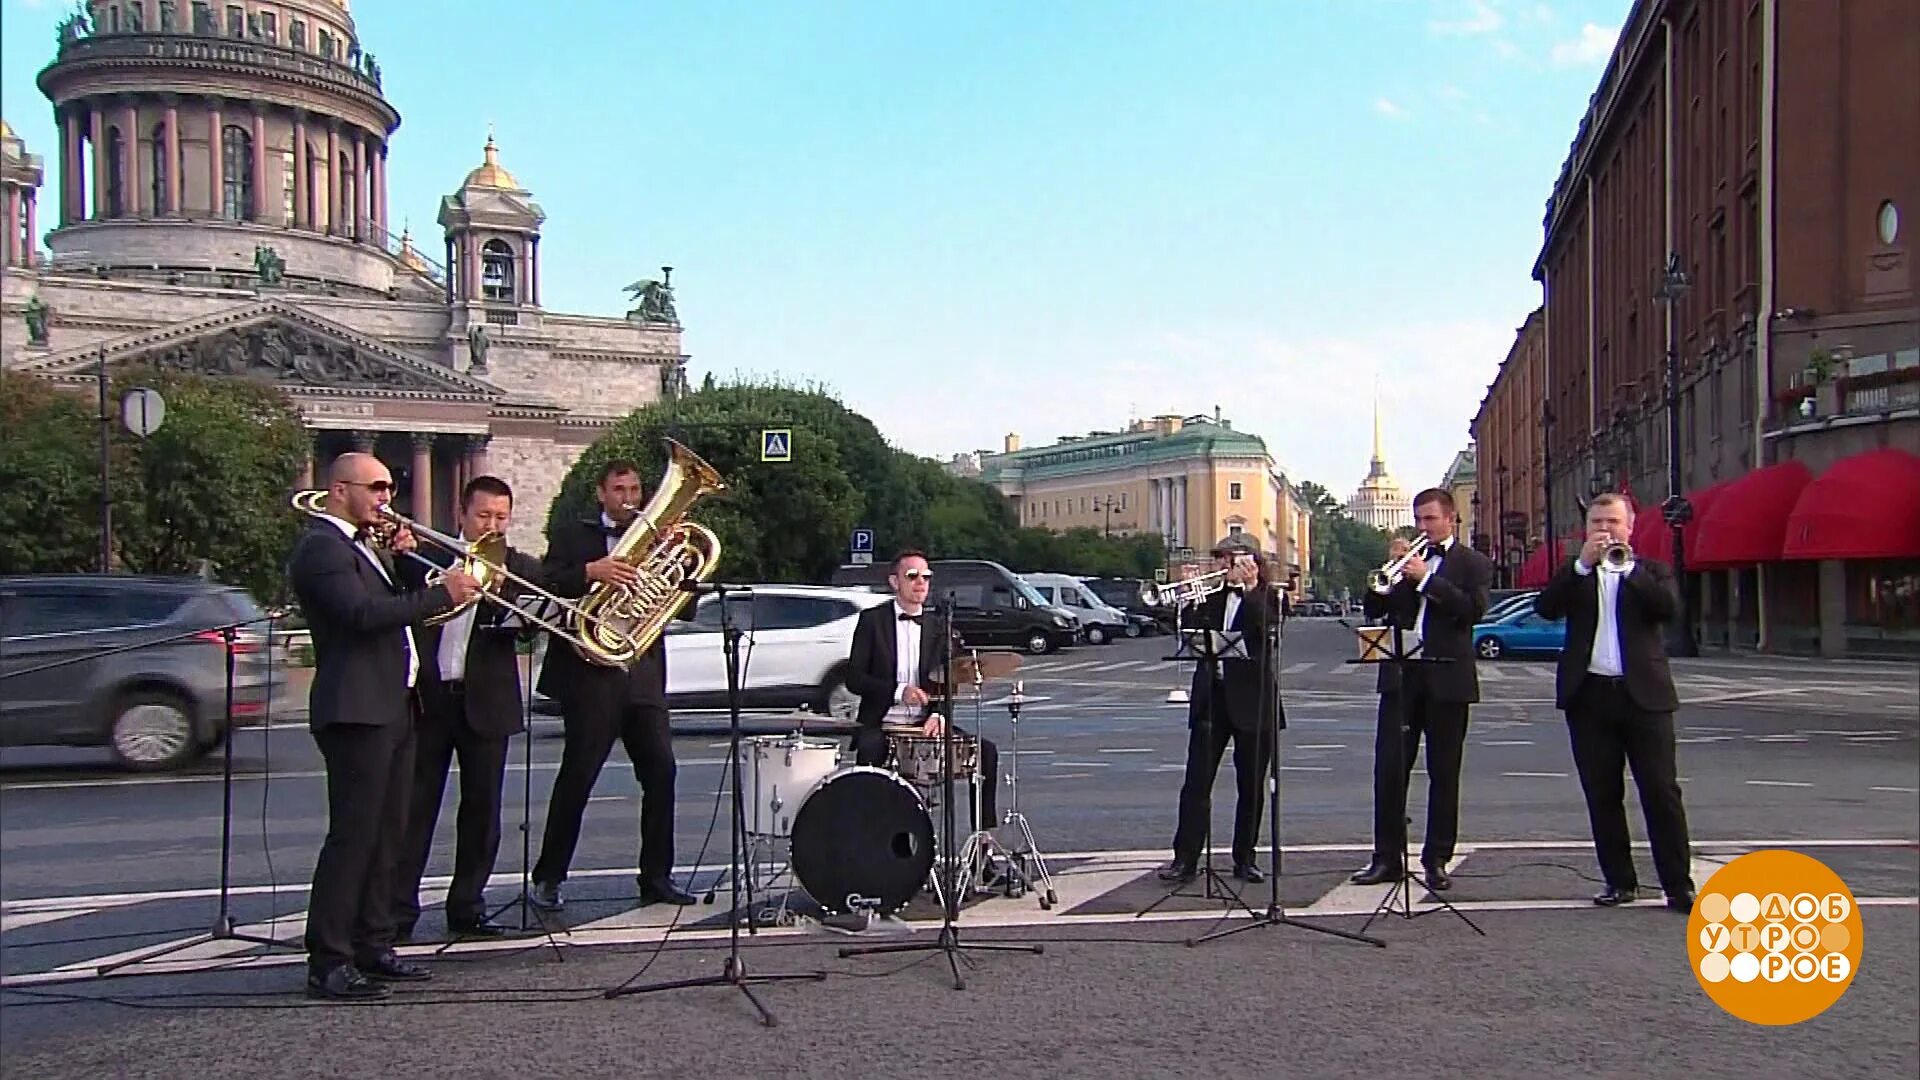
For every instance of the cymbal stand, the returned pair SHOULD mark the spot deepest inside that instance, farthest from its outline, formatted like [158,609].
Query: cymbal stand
[949,940]
[1024,864]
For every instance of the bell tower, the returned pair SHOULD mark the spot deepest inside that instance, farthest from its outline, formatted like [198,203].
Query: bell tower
[492,228]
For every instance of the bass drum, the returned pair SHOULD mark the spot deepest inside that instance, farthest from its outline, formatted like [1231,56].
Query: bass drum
[861,840]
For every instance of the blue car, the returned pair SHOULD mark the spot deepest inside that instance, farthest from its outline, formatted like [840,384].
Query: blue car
[1522,632]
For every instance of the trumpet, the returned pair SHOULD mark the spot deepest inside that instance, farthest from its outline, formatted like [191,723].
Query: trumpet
[1192,590]
[1615,559]
[484,559]
[1388,575]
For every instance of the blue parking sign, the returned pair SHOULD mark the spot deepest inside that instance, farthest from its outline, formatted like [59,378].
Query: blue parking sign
[863,540]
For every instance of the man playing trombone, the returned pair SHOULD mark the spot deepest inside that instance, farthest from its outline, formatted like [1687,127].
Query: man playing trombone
[1615,687]
[470,694]
[1434,592]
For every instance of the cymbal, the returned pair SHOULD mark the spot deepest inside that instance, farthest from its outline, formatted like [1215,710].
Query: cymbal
[990,666]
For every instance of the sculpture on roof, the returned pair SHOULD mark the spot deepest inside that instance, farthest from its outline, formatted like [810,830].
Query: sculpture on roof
[654,299]
[268,264]
[478,343]
[36,317]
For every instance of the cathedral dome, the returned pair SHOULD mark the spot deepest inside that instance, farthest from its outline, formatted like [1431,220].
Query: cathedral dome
[490,174]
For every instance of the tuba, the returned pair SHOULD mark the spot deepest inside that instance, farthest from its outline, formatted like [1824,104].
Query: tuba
[614,624]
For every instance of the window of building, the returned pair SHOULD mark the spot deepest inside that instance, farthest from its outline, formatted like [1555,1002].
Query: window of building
[286,187]
[157,169]
[496,271]
[270,26]
[1887,221]
[326,44]
[169,17]
[345,209]
[236,21]
[297,33]
[113,19]
[1233,491]
[236,195]
[116,173]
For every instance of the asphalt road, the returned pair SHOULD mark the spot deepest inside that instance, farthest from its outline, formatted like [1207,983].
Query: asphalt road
[1817,755]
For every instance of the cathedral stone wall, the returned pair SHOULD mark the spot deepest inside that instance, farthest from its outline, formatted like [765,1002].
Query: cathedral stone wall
[534,467]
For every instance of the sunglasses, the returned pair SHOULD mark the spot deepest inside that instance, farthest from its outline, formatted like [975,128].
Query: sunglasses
[378,487]
[917,575]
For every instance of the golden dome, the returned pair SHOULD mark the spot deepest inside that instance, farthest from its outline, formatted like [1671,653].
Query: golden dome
[6,130]
[409,257]
[490,174]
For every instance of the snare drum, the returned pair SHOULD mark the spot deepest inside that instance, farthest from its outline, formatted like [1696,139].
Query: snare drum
[919,758]
[862,840]
[778,771]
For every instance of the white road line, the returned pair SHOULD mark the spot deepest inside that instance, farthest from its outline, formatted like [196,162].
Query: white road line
[1121,666]
[1898,790]
[1295,669]
[1779,783]
[1306,768]
[1127,750]
[1322,746]
[1076,666]
[1507,742]
[1492,674]
[1537,775]
[304,774]
[1082,764]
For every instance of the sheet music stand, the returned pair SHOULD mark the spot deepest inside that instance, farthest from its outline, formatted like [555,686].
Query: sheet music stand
[1207,647]
[1387,645]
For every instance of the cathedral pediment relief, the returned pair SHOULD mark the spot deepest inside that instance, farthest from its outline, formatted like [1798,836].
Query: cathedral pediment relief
[275,343]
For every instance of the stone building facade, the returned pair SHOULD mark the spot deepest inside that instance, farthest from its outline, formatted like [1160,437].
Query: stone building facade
[222,208]
[1510,440]
[1188,480]
[1379,502]
[1740,198]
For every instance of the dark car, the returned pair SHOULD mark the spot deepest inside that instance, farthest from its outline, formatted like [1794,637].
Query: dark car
[992,606]
[155,707]
[1127,595]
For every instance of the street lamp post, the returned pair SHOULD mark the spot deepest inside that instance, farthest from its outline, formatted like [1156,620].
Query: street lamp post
[1500,525]
[1673,284]
[1546,471]
[1106,505]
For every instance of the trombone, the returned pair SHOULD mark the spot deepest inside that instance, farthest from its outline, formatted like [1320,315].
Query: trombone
[484,558]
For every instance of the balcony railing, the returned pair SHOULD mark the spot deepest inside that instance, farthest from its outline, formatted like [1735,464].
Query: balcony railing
[209,47]
[405,254]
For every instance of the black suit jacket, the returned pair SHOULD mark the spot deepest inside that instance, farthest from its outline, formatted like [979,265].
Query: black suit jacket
[574,545]
[1456,599]
[358,622]
[1242,682]
[492,705]
[871,665]
[1646,602]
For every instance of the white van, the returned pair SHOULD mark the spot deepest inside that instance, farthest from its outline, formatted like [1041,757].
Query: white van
[1101,621]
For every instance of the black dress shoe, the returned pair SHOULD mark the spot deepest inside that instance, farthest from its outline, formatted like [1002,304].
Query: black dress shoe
[1437,878]
[1248,873]
[545,895]
[476,928]
[388,967]
[1178,871]
[663,890]
[1681,902]
[345,983]
[1378,872]
[1614,897]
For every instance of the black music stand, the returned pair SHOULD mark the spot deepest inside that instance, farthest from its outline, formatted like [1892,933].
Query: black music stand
[949,940]
[1402,887]
[734,973]
[1276,915]
[223,928]
[1207,663]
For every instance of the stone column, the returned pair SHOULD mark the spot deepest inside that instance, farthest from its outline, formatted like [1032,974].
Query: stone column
[334,185]
[173,157]
[1180,511]
[302,164]
[10,249]
[423,475]
[305,479]
[131,189]
[453,273]
[477,455]
[31,241]
[216,168]
[259,208]
[98,131]
[478,289]
[360,210]
[70,139]
[363,442]
[533,271]
[379,192]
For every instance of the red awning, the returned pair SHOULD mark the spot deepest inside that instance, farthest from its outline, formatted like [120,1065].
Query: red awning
[1539,567]
[1747,523]
[1654,539]
[1863,507]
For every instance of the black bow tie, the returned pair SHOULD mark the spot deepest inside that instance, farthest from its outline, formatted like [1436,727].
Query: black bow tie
[904,617]
[363,535]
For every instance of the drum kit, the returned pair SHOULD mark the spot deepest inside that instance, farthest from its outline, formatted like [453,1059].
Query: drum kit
[860,839]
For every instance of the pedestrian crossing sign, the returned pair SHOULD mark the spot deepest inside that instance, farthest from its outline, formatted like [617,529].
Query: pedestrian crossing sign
[776,444]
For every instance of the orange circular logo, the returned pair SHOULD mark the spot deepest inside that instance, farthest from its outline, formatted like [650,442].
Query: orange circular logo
[1775,937]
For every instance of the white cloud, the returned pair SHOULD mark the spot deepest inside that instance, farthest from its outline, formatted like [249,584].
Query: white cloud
[1592,47]
[1480,17]
[1388,109]
[1450,92]
[1308,394]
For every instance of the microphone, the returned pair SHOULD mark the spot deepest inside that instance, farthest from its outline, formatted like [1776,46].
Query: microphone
[694,585]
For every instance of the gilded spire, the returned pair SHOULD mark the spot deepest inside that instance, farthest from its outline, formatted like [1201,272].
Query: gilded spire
[1378,456]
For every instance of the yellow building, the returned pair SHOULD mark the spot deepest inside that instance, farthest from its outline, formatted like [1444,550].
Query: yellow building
[1461,480]
[1189,480]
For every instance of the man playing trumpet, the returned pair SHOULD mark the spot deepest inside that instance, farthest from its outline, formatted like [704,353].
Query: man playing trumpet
[1617,691]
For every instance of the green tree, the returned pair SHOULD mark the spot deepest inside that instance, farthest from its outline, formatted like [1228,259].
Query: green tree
[212,483]
[49,479]
[1343,549]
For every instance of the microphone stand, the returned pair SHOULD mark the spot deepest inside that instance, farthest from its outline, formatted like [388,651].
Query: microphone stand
[224,926]
[1275,915]
[949,941]
[734,974]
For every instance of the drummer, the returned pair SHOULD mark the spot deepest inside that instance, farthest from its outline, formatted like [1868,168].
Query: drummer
[895,668]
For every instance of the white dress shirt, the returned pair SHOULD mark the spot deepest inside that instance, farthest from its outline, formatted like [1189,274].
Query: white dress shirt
[1433,571]
[1605,658]
[906,662]
[353,534]
[454,636]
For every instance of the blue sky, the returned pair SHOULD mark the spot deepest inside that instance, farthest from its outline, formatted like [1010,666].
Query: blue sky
[1040,218]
